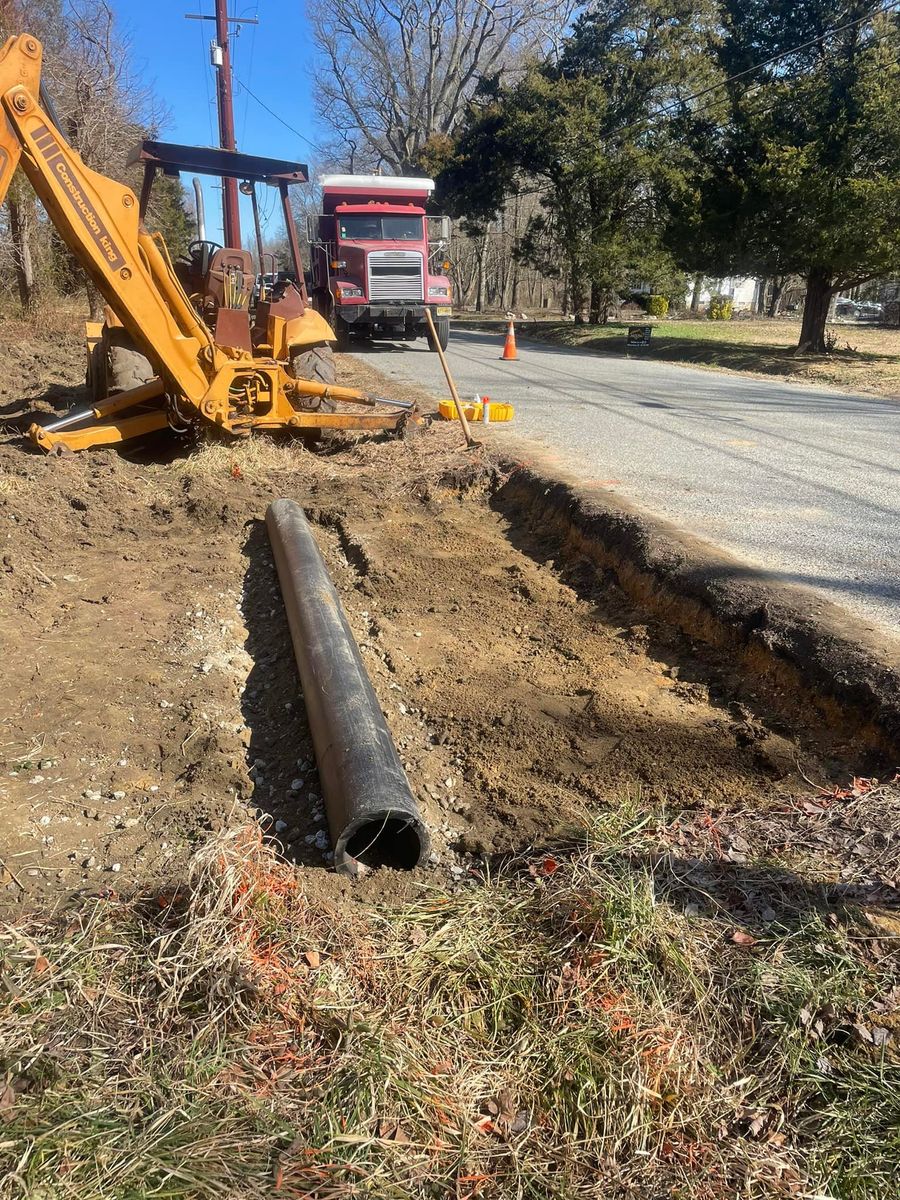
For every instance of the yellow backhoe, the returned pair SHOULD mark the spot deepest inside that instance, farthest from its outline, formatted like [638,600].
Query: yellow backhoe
[207,361]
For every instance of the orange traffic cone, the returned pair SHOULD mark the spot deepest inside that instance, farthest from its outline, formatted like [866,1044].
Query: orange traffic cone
[509,346]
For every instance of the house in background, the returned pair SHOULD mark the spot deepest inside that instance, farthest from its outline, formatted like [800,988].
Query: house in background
[742,291]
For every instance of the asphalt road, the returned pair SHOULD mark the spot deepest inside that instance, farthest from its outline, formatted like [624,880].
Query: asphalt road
[802,481]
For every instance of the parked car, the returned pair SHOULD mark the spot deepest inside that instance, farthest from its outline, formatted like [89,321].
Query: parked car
[858,310]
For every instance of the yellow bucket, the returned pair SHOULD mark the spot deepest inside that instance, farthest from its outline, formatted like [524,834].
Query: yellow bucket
[474,412]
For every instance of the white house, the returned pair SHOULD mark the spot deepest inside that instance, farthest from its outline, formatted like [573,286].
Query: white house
[741,290]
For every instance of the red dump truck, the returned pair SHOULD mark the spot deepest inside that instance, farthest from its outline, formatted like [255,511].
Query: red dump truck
[378,259]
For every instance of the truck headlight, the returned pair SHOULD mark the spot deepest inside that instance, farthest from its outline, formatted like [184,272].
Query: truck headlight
[349,289]
[438,291]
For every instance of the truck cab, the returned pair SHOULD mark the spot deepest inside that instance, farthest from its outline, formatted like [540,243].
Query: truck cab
[378,260]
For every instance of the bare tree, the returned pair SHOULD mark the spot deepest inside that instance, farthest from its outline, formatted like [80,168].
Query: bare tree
[103,108]
[398,72]
[106,107]
[22,226]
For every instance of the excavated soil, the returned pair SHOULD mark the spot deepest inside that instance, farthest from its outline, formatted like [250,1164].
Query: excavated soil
[151,694]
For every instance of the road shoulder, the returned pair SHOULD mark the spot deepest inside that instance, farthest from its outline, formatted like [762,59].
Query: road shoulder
[806,653]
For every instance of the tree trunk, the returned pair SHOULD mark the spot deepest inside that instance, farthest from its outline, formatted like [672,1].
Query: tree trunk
[761,285]
[482,262]
[819,291]
[777,292]
[21,229]
[95,302]
[695,295]
[506,300]
[513,253]
[578,295]
[596,302]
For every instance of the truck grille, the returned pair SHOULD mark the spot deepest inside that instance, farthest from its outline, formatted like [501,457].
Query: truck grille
[396,275]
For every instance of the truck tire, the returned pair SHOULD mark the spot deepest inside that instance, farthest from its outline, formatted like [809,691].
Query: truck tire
[442,328]
[316,363]
[341,334]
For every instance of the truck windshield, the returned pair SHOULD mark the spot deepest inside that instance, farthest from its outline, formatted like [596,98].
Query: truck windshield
[361,227]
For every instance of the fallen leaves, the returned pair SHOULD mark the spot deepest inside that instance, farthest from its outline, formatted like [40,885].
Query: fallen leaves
[827,1023]
[742,938]
[887,924]
[390,1130]
[503,1116]
[7,1102]
[875,1035]
[847,834]
[546,867]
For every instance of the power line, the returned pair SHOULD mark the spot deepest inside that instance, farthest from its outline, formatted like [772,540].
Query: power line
[249,72]
[271,208]
[206,84]
[274,114]
[665,109]
[648,121]
[781,54]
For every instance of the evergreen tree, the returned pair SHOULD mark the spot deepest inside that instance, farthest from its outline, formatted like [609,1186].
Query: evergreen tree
[167,214]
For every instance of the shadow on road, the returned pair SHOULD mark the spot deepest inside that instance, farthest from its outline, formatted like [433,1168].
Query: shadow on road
[370,346]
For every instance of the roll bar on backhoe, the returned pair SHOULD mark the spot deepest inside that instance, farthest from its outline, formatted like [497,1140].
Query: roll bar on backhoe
[171,159]
[99,220]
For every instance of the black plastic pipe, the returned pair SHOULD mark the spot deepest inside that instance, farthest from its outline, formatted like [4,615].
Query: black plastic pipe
[372,815]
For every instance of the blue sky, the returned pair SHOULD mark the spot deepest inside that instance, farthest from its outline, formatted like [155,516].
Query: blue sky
[275,60]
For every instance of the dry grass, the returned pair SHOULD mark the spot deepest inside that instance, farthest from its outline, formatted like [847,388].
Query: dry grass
[565,1027]
[11,484]
[253,456]
[59,317]
[388,464]
[865,359]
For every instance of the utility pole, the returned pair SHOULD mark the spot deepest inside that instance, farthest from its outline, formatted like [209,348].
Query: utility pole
[231,212]
[221,60]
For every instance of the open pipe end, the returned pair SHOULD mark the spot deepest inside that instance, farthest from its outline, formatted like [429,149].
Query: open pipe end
[385,839]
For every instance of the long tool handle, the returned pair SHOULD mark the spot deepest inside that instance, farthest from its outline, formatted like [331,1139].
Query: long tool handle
[463,420]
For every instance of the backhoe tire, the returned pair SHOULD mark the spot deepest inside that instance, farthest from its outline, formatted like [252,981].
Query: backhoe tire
[126,367]
[317,364]
[442,329]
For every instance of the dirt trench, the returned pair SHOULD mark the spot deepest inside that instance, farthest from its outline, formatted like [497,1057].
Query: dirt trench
[151,694]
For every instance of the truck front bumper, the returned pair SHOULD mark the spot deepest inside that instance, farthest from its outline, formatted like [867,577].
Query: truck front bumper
[391,316]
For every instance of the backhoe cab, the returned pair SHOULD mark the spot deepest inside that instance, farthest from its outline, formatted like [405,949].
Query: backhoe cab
[180,345]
